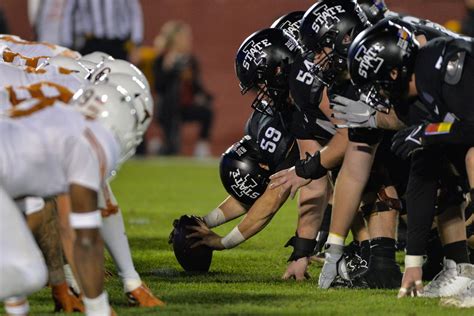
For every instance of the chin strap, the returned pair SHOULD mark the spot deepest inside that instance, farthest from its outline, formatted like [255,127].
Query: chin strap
[302,247]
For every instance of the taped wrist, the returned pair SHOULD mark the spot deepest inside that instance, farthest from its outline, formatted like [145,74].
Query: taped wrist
[310,168]
[302,247]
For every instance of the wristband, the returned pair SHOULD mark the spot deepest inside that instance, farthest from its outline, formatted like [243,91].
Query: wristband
[215,218]
[302,247]
[310,168]
[85,220]
[233,238]
[413,261]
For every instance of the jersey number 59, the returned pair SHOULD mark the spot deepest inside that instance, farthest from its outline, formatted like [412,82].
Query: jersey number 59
[272,136]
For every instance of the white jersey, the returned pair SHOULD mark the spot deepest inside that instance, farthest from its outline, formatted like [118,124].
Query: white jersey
[35,49]
[43,153]
[46,91]
[19,77]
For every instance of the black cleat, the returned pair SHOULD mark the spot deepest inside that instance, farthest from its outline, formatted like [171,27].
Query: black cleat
[382,273]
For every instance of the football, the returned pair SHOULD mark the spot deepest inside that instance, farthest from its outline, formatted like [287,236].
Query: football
[196,259]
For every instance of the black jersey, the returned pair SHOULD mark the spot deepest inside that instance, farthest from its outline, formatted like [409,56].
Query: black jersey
[444,71]
[276,145]
[306,92]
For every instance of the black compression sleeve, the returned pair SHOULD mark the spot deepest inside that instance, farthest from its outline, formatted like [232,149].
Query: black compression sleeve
[420,199]
[459,132]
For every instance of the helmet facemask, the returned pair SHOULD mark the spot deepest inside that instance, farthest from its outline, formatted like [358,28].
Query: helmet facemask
[272,94]
[332,66]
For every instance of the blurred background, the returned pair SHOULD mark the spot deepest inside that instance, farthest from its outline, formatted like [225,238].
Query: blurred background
[210,33]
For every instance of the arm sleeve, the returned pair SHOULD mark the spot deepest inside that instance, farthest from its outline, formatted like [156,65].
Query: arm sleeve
[421,198]
[136,33]
[457,133]
[82,166]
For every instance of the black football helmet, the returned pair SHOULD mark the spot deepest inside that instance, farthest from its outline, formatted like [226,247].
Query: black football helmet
[263,63]
[242,174]
[333,24]
[290,23]
[373,56]
[374,9]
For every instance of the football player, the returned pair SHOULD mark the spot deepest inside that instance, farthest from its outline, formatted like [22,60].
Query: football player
[71,154]
[270,147]
[31,49]
[326,45]
[440,69]
[113,230]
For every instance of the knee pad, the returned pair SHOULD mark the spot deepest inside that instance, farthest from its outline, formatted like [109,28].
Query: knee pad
[384,203]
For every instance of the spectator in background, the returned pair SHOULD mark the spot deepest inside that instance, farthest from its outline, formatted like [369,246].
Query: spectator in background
[102,25]
[467,26]
[181,95]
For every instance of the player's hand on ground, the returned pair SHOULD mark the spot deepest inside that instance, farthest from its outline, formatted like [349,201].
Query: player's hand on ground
[207,236]
[288,180]
[411,282]
[297,270]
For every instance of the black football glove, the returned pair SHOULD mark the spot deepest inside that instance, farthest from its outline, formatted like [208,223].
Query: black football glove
[408,141]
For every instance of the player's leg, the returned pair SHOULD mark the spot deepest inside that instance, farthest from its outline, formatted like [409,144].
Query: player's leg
[383,271]
[44,225]
[22,267]
[116,241]
[348,191]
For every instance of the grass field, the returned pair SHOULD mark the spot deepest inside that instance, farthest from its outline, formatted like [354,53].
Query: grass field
[245,280]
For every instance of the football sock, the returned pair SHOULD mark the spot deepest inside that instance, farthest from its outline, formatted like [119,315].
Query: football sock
[17,305]
[365,250]
[98,306]
[383,247]
[456,251]
[115,238]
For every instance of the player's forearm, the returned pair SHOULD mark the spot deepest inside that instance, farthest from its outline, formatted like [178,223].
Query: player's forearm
[333,153]
[389,121]
[228,210]
[261,213]
[457,133]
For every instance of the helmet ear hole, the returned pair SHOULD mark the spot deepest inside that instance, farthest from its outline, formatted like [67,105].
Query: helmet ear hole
[394,74]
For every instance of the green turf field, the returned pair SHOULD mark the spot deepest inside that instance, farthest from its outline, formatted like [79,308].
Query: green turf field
[245,280]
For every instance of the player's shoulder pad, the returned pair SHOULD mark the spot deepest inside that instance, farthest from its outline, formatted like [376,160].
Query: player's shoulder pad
[455,56]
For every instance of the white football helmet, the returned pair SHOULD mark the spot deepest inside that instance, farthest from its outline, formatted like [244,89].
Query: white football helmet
[141,96]
[117,66]
[67,63]
[96,57]
[113,108]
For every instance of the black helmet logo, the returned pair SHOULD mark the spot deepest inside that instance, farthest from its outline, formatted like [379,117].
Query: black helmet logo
[254,52]
[244,186]
[326,17]
[369,60]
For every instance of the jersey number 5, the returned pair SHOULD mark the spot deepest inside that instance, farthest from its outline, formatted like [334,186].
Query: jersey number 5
[272,136]
[305,76]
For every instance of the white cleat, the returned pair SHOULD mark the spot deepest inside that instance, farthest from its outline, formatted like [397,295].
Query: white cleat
[451,281]
[463,300]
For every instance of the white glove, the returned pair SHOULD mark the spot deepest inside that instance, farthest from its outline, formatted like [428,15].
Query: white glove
[357,114]
[334,264]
